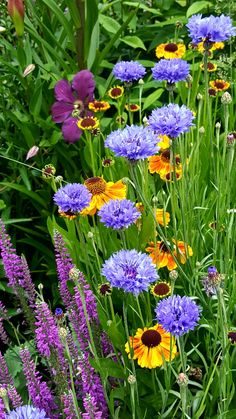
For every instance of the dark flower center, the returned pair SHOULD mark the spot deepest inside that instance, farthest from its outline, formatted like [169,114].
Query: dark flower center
[165,155]
[177,160]
[210,66]
[116,92]
[78,105]
[161,289]
[95,185]
[88,122]
[163,247]
[212,92]
[170,176]
[232,336]
[171,47]
[105,289]
[151,338]
[219,84]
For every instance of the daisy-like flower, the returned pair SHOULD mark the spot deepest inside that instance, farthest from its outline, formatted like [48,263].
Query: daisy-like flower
[88,123]
[210,67]
[72,103]
[116,92]
[171,120]
[128,71]
[130,270]
[98,106]
[210,29]
[163,142]
[213,47]
[171,71]
[170,50]
[105,289]
[25,412]
[161,289]
[162,217]
[118,214]
[161,163]
[133,142]
[178,314]
[152,346]
[132,107]
[102,192]
[162,257]
[171,176]
[219,85]
[73,197]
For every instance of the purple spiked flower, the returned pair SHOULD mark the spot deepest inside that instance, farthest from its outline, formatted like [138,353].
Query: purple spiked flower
[91,408]
[68,406]
[177,314]
[118,214]
[64,265]
[133,142]
[73,197]
[72,103]
[15,398]
[5,377]
[128,71]
[171,120]
[27,411]
[130,270]
[210,28]
[2,408]
[171,70]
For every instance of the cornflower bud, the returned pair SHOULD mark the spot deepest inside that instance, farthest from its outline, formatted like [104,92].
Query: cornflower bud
[226,98]
[131,379]
[17,11]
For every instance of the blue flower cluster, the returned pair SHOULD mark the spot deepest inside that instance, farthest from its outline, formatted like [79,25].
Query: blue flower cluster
[171,120]
[177,314]
[73,197]
[118,214]
[130,270]
[133,142]
[171,70]
[211,28]
[26,412]
[128,71]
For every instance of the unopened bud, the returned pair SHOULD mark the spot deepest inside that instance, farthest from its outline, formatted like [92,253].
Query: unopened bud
[62,332]
[145,120]
[199,96]
[173,275]
[28,70]
[90,235]
[141,82]
[17,11]
[226,98]
[109,323]
[182,379]
[58,179]
[3,392]
[131,379]
[33,151]
[201,130]
[231,137]
[40,286]
[74,274]
[48,171]
[218,125]
[2,29]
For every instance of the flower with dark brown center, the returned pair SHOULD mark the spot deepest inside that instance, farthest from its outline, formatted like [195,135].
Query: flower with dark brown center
[151,338]
[219,85]
[232,336]
[132,107]
[98,106]
[48,171]
[170,50]
[116,92]
[105,289]
[88,123]
[161,289]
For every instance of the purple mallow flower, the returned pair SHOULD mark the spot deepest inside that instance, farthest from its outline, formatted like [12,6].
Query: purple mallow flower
[130,270]
[128,71]
[73,197]
[26,412]
[177,314]
[171,70]
[118,214]
[72,103]
[134,142]
[210,29]
[171,120]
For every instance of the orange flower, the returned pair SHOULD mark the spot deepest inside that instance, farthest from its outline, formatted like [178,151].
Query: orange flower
[98,106]
[102,192]
[170,50]
[161,163]
[163,257]
[162,217]
[219,85]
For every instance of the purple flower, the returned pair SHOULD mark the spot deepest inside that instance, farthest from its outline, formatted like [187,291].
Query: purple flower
[118,214]
[128,71]
[73,197]
[171,120]
[2,408]
[171,70]
[177,314]
[5,377]
[130,270]
[64,265]
[14,397]
[210,29]
[91,408]
[72,103]
[25,412]
[134,142]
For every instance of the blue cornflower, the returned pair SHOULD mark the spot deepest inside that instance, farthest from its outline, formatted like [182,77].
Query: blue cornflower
[119,213]
[134,142]
[171,70]
[171,120]
[128,71]
[177,314]
[26,412]
[73,198]
[130,270]
[211,28]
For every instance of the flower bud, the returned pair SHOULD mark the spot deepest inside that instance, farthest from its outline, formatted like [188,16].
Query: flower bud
[2,29]
[218,125]
[173,275]
[182,379]
[17,11]
[199,96]
[226,98]
[201,130]
[28,70]
[62,332]
[32,152]
[131,379]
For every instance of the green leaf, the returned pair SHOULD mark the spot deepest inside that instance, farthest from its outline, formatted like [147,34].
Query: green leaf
[25,191]
[108,367]
[109,24]
[197,6]
[133,41]
[150,100]
[36,99]
[13,360]
[2,204]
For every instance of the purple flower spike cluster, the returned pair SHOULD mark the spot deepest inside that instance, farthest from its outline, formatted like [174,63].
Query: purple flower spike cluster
[91,409]
[64,265]
[211,28]
[73,197]
[118,214]
[25,412]
[2,408]
[171,120]
[171,71]
[128,71]
[134,142]
[14,397]
[5,377]
[72,103]
[178,314]
[130,270]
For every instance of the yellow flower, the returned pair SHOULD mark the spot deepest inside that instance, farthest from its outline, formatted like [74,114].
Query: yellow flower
[102,192]
[98,106]
[88,123]
[132,107]
[164,142]
[116,92]
[162,217]
[169,176]
[161,289]
[219,85]
[161,163]
[162,257]
[210,67]
[215,45]
[170,50]
[151,346]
